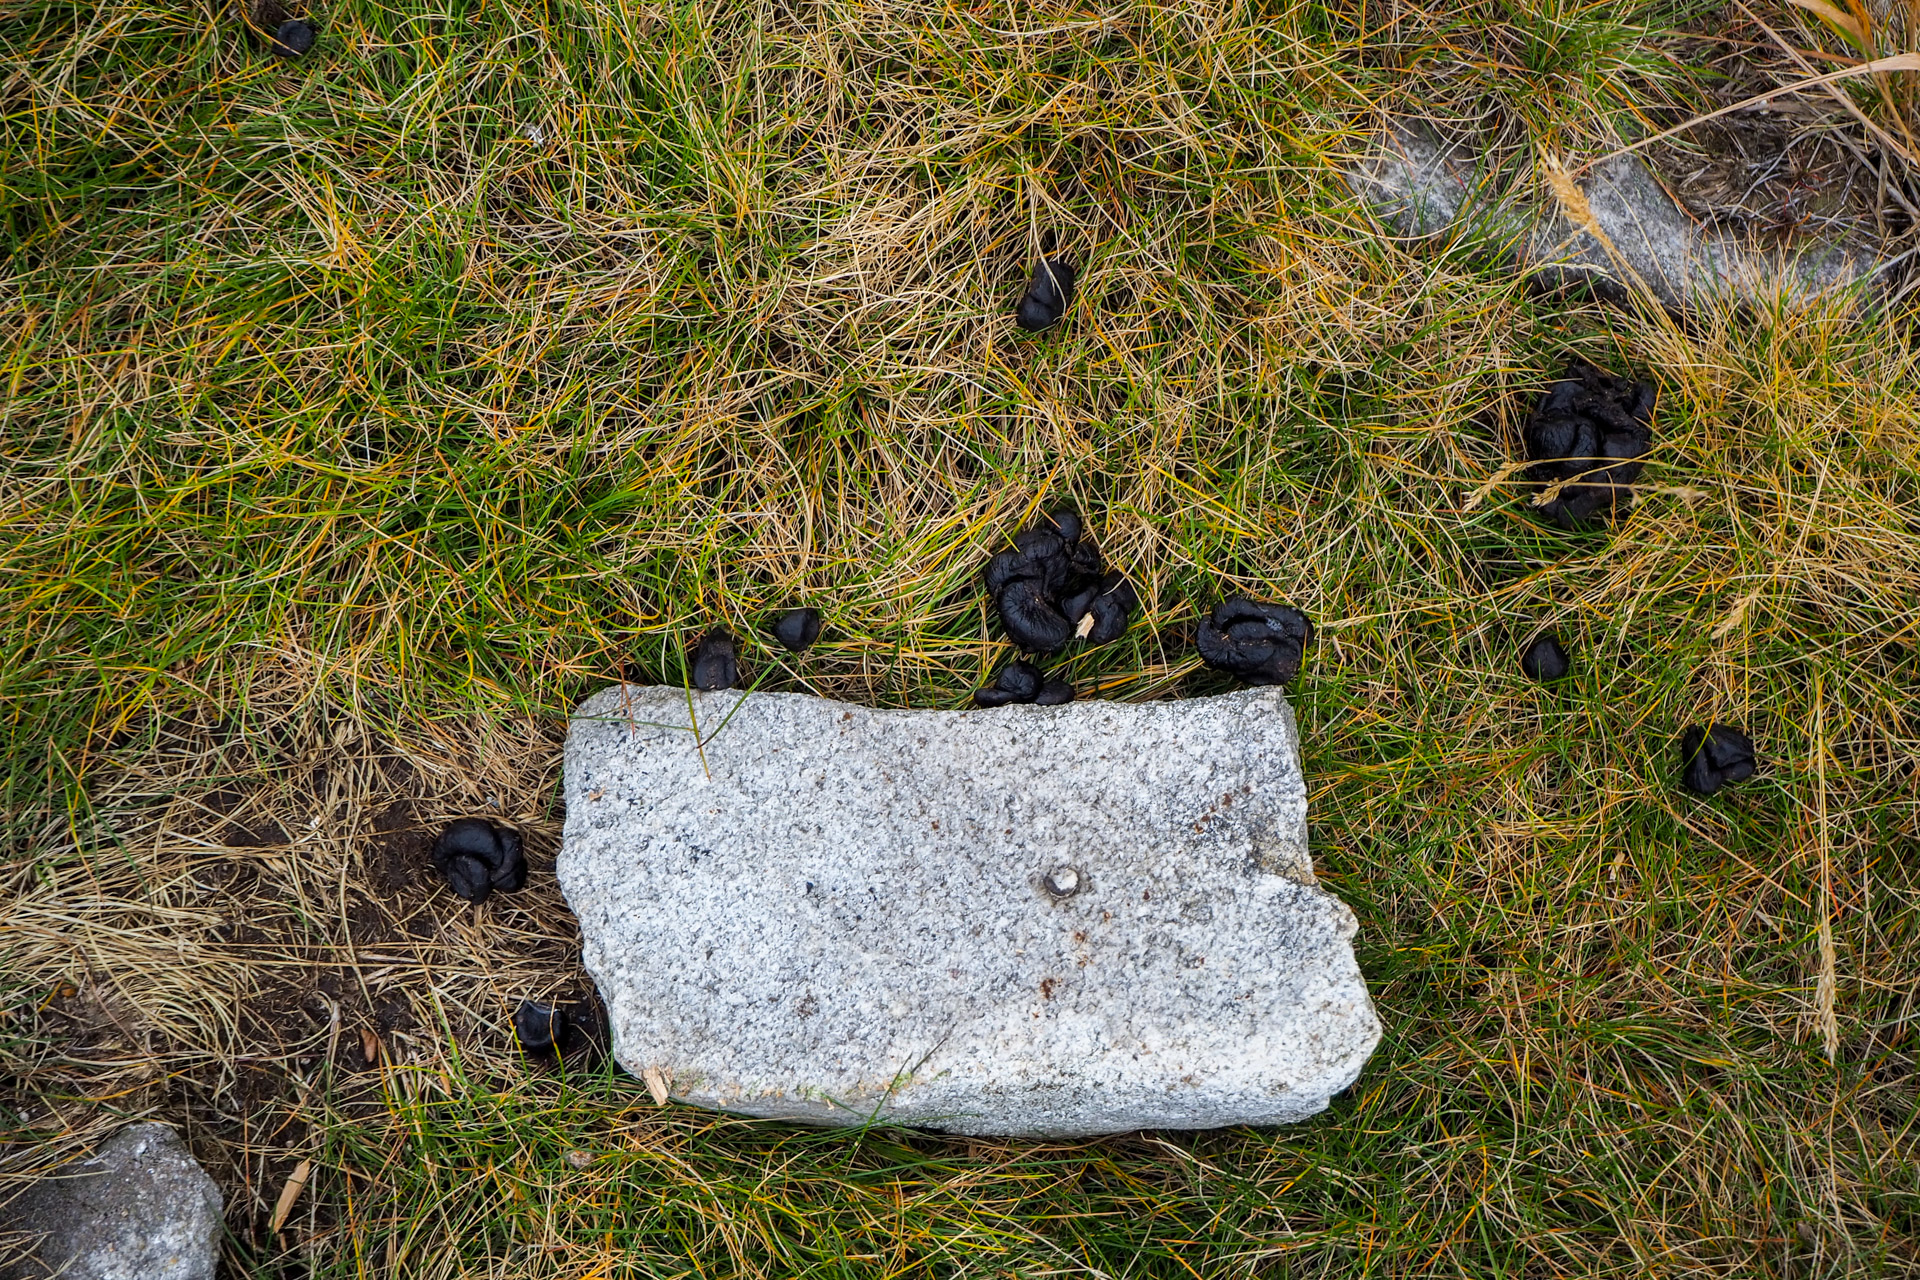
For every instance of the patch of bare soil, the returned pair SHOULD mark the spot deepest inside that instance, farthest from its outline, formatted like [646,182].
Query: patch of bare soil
[264,934]
[1800,168]
[1763,175]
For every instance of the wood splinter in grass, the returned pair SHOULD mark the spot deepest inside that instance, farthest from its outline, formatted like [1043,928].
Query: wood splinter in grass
[290,1194]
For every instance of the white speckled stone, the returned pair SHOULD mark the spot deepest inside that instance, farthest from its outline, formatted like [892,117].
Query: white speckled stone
[1423,183]
[846,914]
[140,1208]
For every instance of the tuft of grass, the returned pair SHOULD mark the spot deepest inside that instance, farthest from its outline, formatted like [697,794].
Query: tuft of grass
[363,412]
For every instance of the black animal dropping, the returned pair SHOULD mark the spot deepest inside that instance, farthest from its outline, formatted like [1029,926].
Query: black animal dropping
[292,38]
[1714,755]
[1102,609]
[575,1033]
[1261,643]
[541,1028]
[1048,295]
[477,856]
[1023,682]
[1053,587]
[1587,435]
[1053,693]
[1545,659]
[797,629]
[284,35]
[714,664]
[1017,682]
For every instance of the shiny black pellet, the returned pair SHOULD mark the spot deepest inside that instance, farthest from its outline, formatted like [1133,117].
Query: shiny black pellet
[1259,642]
[714,664]
[797,629]
[1048,295]
[292,38]
[1545,659]
[1714,755]
[1589,430]
[477,856]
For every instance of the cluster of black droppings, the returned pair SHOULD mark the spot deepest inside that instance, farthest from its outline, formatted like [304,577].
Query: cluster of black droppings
[477,856]
[1714,755]
[714,663]
[1048,295]
[1587,435]
[1023,682]
[796,629]
[1545,659]
[576,1033]
[1261,643]
[1052,587]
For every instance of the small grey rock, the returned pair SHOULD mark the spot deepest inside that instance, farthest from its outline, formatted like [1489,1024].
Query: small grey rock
[1422,182]
[1048,921]
[141,1208]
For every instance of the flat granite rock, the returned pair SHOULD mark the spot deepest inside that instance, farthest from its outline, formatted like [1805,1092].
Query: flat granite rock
[1045,921]
[140,1208]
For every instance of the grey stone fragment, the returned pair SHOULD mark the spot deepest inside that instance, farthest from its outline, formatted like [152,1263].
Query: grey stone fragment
[1422,183]
[140,1208]
[1028,920]
[1680,262]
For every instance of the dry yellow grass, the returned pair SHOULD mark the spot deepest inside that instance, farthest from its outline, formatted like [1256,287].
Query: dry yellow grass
[362,413]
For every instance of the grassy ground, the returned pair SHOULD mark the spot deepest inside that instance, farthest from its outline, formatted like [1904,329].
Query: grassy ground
[363,412]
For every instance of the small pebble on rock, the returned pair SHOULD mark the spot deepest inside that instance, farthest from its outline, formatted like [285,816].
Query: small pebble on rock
[1048,295]
[1052,587]
[1062,882]
[292,38]
[797,629]
[1545,659]
[1590,430]
[1714,755]
[1261,643]
[477,856]
[714,666]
